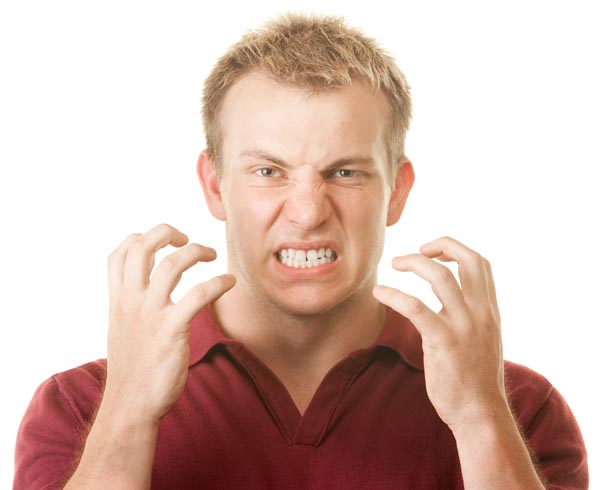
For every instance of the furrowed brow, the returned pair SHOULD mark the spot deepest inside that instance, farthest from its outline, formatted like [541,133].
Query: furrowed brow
[341,162]
[261,155]
[358,160]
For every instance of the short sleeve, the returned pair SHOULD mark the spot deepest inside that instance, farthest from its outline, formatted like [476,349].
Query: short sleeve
[53,430]
[552,433]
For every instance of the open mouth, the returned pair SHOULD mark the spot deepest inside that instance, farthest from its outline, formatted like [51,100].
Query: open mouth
[303,259]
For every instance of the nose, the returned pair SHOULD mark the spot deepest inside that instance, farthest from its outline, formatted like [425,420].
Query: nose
[307,206]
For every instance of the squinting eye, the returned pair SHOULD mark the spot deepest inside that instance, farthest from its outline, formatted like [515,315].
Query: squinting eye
[268,172]
[344,172]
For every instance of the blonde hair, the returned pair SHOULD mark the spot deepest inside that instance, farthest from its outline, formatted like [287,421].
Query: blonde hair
[316,53]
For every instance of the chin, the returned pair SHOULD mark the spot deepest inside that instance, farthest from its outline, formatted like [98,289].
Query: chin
[305,310]
[309,303]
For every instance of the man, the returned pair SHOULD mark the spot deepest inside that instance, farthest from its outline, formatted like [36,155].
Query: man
[295,370]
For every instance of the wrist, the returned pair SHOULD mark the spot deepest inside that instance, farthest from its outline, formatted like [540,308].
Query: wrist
[128,406]
[119,421]
[484,420]
[118,452]
[492,452]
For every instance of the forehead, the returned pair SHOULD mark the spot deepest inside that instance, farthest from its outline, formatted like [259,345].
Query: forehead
[287,120]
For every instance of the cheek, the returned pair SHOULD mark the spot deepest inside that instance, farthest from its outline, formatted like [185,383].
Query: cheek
[365,222]
[248,214]
[366,213]
[257,209]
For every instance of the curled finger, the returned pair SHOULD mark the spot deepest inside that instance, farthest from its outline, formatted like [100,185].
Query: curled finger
[140,256]
[442,281]
[116,266]
[168,272]
[422,317]
[201,295]
[471,270]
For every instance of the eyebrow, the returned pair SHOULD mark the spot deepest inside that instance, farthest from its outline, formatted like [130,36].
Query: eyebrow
[340,162]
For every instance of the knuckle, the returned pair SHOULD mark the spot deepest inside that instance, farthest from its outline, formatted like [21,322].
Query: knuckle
[415,307]
[488,321]
[139,246]
[132,237]
[473,258]
[123,247]
[446,276]
[200,294]
[449,339]
[479,259]
[168,264]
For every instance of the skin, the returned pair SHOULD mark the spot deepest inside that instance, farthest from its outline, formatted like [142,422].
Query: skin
[283,184]
[148,355]
[295,140]
[464,369]
[301,171]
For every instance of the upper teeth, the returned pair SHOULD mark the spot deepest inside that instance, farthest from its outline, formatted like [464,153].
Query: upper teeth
[305,258]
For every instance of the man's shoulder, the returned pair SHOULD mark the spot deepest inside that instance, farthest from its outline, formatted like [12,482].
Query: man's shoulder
[91,373]
[518,375]
[65,402]
[77,389]
[530,393]
[547,422]
[522,381]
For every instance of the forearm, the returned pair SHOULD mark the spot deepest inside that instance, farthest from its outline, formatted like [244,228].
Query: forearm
[493,455]
[118,452]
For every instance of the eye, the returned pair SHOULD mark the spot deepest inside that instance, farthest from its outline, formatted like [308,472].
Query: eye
[346,173]
[268,172]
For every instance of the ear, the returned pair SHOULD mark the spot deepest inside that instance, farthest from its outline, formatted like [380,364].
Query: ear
[405,177]
[207,175]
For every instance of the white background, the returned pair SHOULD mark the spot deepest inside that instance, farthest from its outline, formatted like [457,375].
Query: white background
[100,129]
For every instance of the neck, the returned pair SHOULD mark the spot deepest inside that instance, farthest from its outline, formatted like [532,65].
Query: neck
[288,342]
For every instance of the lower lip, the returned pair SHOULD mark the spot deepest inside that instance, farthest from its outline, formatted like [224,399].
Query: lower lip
[307,272]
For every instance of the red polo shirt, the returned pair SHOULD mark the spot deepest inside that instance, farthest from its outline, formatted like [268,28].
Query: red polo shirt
[370,424]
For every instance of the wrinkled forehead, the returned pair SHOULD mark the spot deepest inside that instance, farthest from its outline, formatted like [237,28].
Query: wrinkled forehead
[260,112]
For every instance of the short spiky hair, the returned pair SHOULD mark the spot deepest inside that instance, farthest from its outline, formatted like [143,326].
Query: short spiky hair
[316,53]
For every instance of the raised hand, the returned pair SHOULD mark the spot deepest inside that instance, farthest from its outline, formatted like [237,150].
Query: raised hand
[464,366]
[148,335]
[148,355]
[462,346]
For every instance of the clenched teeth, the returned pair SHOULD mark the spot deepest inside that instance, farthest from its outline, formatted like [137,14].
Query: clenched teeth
[305,258]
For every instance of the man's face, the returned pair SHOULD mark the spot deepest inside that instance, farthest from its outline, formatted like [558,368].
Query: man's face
[304,190]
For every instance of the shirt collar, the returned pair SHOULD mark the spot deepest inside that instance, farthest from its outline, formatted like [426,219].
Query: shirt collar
[398,333]
[204,335]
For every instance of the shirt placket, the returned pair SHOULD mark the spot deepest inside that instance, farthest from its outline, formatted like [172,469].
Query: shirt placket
[312,427]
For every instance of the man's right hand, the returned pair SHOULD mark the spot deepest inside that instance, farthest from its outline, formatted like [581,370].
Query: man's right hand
[148,334]
[148,356]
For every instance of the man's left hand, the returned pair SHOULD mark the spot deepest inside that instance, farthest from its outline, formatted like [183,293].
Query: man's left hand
[462,345]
